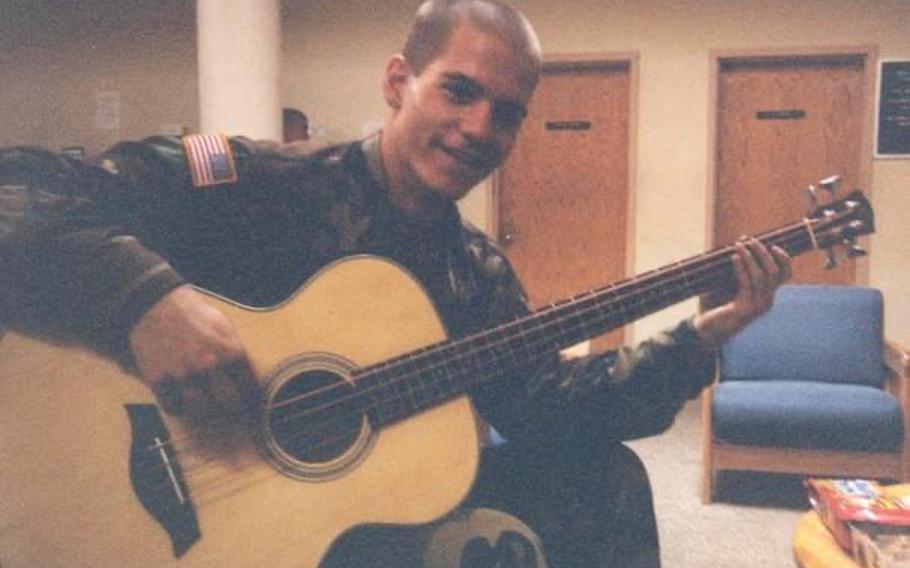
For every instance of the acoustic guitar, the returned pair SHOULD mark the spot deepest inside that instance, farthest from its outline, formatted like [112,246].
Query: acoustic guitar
[363,418]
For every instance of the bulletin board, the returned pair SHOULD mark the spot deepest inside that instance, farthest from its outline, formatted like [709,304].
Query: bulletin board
[893,124]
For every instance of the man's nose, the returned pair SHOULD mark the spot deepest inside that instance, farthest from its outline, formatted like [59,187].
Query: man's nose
[477,120]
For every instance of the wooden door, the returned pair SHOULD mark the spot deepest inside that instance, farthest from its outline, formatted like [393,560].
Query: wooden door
[784,123]
[563,195]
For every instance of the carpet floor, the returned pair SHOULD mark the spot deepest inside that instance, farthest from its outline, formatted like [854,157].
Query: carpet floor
[750,526]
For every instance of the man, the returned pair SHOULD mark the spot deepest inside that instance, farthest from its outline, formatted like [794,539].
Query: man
[112,250]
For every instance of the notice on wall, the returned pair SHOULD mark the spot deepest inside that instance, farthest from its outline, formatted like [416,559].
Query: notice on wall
[107,109]
[893,132]
[568,125]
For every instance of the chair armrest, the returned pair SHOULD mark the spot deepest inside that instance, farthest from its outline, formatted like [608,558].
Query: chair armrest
[897,371]
[897,359]
[897,363]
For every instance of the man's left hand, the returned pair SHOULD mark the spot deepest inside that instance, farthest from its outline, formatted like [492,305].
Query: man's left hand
[759,271]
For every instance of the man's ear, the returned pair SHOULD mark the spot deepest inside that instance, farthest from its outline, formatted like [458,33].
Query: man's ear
[397,72]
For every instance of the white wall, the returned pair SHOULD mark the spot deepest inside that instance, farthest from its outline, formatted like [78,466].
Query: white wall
[54,60]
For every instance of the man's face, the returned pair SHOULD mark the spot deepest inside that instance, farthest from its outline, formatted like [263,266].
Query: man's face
[456,121]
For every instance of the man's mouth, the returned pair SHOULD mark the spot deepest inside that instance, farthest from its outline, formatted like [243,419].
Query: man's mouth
[468,158]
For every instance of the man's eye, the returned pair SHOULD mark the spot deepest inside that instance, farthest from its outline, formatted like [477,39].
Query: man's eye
[508,116]
[461,93]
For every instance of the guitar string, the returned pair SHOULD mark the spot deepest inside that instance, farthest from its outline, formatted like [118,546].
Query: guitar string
[202,491]
[719,260]
[709,270]
[683,274]
[710,263]
[708,275]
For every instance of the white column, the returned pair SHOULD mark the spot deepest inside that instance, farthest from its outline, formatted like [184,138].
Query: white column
[239,50]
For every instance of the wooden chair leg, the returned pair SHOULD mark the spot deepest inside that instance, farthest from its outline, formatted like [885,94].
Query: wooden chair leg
[707,441]
[708,482]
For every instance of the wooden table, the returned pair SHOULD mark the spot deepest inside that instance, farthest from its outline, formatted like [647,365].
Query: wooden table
[815,547]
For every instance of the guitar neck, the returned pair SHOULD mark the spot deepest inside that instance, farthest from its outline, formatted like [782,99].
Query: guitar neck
[416,381]
[404,386]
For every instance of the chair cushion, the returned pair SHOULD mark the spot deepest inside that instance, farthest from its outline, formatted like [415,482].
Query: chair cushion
[807,415]
[813,333]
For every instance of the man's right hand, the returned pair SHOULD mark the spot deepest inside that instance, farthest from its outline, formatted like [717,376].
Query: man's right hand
[190,355]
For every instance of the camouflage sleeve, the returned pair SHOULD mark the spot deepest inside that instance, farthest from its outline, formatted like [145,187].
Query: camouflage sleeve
[87,247]
[70,268]
[620,395]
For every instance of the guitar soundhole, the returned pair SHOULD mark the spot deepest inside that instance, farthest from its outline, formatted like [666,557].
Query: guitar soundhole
[313,418]
[313,425]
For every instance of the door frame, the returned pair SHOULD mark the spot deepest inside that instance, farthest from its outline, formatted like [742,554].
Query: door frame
[555,62]
[869,56]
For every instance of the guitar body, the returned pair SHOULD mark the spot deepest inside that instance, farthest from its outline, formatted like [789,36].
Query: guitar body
[66,496]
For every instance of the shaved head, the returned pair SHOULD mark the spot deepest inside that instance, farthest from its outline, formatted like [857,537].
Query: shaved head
[437,19]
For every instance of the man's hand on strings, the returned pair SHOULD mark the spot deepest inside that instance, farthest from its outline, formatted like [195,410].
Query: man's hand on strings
[190,355]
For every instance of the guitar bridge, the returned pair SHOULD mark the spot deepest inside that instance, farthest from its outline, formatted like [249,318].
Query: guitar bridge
[157,479]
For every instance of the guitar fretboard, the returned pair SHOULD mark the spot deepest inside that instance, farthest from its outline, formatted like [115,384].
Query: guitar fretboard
[419,380]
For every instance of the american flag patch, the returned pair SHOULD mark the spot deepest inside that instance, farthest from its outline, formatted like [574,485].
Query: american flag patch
[210,159]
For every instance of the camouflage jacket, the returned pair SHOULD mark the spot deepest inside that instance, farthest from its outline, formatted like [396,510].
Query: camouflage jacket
[86,247]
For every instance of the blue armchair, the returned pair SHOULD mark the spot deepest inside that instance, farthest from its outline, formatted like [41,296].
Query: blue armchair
[810,388]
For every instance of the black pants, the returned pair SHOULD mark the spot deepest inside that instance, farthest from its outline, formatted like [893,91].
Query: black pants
[590,508]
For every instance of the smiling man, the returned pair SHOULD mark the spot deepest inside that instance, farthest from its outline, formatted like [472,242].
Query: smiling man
[105,249]
[456,115]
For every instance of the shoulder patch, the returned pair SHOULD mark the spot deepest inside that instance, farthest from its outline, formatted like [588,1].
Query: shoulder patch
[210,159]
[109,165]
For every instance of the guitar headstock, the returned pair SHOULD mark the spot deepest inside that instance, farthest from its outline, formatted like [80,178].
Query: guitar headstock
[840,222]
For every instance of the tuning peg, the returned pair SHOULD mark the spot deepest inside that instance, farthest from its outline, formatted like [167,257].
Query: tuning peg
[856,251]
[813,198]
[831,184]
[853,249]
[857,227]
[831,261]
